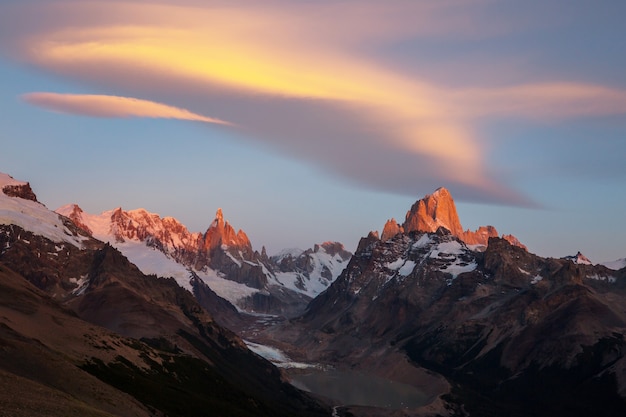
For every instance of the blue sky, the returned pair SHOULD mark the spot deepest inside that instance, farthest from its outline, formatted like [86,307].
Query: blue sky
[339,114]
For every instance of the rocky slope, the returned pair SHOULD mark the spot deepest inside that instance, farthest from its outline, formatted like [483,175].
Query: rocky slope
[283,284]
[503,326]
[82,326]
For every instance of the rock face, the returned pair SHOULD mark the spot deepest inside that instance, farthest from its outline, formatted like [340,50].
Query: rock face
[438,210]
[13,188]
[391,229]
[433,211]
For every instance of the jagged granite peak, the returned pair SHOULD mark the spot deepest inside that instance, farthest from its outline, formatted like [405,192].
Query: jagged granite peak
[578,259]
[221,233]
[391,229]
[439,210]
[431,212]
[13,188]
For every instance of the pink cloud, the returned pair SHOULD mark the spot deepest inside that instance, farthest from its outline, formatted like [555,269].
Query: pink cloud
[112,106]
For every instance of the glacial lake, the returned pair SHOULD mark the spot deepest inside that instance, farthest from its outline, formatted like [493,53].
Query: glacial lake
[359,388]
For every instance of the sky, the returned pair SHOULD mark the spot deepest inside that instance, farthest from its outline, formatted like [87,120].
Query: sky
[310,121]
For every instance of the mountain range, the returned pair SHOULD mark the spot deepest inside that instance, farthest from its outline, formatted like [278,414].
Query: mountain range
[220,257]
[128,313]
[83,332]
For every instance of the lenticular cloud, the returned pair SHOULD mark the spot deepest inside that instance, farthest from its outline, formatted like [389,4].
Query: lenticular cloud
[113,106]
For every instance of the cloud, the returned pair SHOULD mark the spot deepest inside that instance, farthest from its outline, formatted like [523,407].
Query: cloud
[302,77]
[540,101]
[112,106]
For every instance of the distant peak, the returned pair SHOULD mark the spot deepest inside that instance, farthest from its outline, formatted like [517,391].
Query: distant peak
[219,215]
[579,259]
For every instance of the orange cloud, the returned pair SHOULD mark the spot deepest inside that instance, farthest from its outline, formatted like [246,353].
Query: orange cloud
[251,53]
[112,106]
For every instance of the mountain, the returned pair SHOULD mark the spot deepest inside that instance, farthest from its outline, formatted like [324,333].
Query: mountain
[578,259]
[310,271]
[84,332]
[220,259]
[514,333]
[617,264]
[438,210]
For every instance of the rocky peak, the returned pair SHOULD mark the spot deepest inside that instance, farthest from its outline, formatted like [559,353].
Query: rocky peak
[333,249]
[75,214]
[391,229]
[438,210]
[221,234]
[431,212]
[578,259]
[14,188]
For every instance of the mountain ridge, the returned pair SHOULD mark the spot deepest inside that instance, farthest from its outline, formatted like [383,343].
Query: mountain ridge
[273,284]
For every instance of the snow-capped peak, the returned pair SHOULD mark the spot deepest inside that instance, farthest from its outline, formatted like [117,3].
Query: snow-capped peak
[578,259]
[31,215]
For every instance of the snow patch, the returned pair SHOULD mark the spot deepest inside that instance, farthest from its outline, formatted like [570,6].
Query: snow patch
[403,266]
[153,261]
[596,277]
[36,218]
[615,265]
[81,285]
[423,241]
[276,356]
[232,258]
[447,248]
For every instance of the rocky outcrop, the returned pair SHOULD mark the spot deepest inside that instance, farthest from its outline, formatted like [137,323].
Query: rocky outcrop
[13,188]
[75,214]
[433,211]
[438,210]
[391,229]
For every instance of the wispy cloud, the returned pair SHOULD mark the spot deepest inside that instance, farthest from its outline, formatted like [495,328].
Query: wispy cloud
[300,76]
[112,106]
